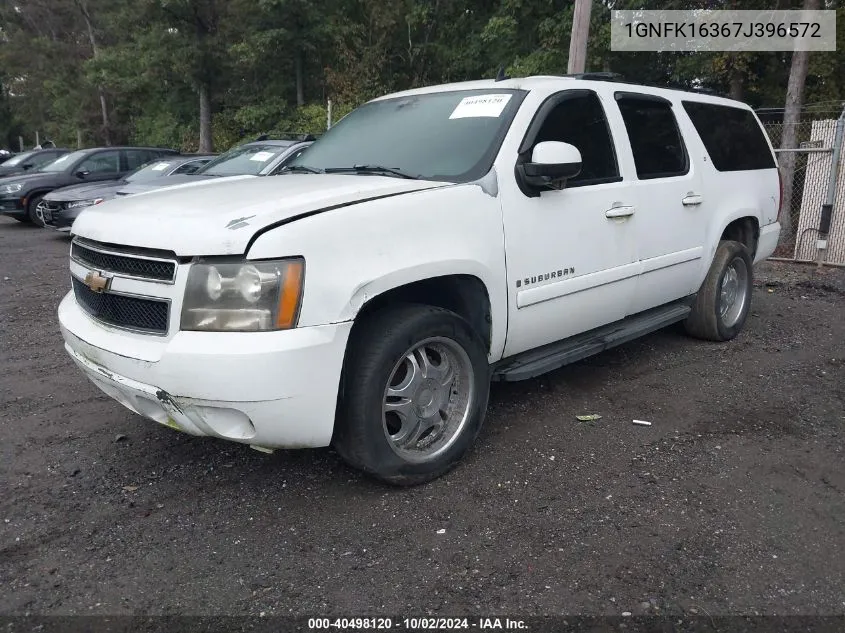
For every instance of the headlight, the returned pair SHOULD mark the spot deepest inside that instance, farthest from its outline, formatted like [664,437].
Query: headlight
[82,203]
[12,188]
[243,296]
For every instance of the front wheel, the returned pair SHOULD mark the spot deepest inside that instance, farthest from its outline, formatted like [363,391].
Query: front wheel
[721,305]
[32,211]
[414,393]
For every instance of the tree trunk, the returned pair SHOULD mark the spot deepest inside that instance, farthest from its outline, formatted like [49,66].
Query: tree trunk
[206,141]
[789,134]
[578,39]
[300,88]
[736,86]
[95,51]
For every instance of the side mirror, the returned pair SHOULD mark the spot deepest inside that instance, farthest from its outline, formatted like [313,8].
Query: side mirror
[82,173]
[27,165]
[552,163]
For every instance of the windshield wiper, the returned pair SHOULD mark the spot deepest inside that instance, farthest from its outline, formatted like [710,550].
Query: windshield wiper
[303,169]
[372,169]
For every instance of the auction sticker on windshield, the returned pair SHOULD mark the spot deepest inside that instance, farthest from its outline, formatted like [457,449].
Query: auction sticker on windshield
[480,106]
[262,156]
[160,166]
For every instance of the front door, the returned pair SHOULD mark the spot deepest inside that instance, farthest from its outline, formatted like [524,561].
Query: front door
[572,259]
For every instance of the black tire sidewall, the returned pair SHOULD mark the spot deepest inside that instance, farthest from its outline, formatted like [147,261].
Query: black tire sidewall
[31,212]
[373,357]
[733,250]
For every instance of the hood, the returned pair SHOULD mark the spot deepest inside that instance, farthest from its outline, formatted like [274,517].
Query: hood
[165,181]
[87,191]
[8,170]
[27,177]
[221,216]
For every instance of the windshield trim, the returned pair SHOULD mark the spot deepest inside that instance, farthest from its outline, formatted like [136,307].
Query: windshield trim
[484,164]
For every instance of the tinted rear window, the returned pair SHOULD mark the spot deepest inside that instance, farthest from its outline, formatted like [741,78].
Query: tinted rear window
[732,137]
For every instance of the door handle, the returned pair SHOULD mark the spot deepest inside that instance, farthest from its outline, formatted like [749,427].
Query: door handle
[620,212]
[692,199]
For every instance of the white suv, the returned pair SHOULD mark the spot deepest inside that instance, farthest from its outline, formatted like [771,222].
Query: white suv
[432,240]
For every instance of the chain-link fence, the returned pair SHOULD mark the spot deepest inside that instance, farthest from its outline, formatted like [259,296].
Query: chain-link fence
[806,169]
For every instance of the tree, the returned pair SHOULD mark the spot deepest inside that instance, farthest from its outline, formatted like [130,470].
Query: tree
[791,116]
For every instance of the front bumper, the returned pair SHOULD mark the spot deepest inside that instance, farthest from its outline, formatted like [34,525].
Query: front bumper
[268,389]
[12,205]
[59,218]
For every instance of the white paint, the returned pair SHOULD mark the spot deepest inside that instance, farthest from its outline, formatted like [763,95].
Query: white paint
[625,246]
[481,106]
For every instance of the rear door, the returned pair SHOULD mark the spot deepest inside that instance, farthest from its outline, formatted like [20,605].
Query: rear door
[671,220]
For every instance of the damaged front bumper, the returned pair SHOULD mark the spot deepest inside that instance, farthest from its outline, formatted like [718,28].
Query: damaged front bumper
[267,389]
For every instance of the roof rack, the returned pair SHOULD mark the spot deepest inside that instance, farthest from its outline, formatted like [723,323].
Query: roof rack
[618,78]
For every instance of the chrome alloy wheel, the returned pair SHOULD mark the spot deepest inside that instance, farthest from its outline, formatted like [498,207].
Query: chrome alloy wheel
[428,399]
[732,297]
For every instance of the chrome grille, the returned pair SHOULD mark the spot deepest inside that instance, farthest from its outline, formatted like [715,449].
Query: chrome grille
[123,311]
[125,264]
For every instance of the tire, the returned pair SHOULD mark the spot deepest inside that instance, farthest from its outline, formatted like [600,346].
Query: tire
[31,210]
[715,315]
[375,431]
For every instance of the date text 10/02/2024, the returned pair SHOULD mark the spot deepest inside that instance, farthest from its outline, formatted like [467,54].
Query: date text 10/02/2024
[416,624]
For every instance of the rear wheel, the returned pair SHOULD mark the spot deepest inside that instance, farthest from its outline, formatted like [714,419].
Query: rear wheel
[32,210]
[414,394]
[722,303]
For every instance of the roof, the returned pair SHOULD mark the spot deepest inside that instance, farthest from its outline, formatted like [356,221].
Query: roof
[554,83]
[157,149]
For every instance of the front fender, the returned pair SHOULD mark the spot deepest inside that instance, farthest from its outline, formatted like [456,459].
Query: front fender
[357,252]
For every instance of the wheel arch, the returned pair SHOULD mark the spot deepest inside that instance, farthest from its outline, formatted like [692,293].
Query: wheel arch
[464,293]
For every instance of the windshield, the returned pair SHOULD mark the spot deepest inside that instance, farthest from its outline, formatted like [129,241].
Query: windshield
[64,161]
[243,160]
[451,136]
[17,160]
[150,171]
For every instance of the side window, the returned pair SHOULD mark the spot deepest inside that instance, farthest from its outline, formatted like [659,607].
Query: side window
[189,168]
[290,158]
[101,163]
[732,136]
[656,141]
[580,121]
[137,157]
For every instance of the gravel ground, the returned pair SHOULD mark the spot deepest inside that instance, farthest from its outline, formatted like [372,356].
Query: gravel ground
[732,502]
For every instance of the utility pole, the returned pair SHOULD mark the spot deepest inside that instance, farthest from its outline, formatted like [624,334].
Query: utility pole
[578,38]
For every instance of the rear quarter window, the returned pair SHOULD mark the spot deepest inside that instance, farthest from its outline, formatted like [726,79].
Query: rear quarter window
[732,137]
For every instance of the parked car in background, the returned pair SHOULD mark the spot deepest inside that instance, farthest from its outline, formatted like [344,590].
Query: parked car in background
[20,194]
[5,155]
[257,158]
[61,207]
[32,160]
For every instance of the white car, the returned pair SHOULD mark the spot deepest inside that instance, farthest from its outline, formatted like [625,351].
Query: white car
[432,240]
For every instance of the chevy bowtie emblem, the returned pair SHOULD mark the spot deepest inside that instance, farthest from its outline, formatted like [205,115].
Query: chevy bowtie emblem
[96,281]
